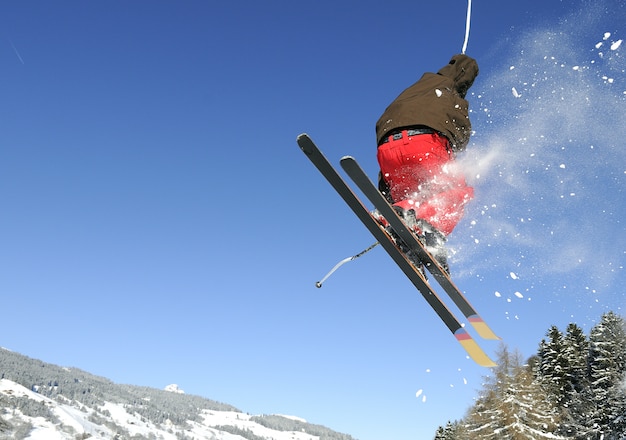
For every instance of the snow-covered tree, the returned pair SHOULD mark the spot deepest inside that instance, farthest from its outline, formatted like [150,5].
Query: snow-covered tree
[576,350]
[514,405]
[574,388]
[552,366]
[452,431]
[606,415]
[486,416]
[561,370]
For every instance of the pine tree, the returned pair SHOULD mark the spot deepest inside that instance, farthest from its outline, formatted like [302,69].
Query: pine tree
[486,416]
[452,431]
[576,389]
[514,406]
[552,366]
[562,373]
[606,416]
[440,434]
[576,351]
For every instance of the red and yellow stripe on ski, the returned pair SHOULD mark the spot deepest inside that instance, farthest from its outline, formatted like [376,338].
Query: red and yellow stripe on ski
[482,328]
[473,349]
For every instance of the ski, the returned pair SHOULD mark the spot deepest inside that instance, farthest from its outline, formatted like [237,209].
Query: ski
[362,181]
[415,276]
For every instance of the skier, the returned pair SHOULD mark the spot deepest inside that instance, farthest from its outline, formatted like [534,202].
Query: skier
[418,136]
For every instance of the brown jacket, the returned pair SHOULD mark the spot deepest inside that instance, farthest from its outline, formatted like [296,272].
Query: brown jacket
[437,101]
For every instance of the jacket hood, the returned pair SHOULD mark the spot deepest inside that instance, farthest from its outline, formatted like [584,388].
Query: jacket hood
[462,70]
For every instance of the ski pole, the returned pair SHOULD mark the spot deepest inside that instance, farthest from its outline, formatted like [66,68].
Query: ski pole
[319,283]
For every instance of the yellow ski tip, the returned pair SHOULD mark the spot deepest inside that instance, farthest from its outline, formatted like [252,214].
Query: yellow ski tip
[482,328]
[473,349]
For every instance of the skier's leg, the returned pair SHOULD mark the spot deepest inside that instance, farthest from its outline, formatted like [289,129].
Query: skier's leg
[424,182]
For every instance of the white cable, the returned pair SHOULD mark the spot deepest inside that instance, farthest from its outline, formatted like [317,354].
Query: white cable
[467,25]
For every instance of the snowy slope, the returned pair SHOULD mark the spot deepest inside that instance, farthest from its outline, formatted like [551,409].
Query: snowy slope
[74,420]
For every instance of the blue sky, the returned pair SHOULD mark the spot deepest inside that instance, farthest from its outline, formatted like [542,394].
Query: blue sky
[160,224]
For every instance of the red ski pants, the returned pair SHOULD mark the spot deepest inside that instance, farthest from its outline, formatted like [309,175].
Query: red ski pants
[421,174]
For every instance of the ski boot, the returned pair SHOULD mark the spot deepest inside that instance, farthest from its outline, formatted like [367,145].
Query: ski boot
[431,238]
[411,255]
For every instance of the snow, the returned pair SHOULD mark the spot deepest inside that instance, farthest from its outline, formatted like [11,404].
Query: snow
[420,393]
[173,388]
[43,429]
[545,176]
[11,388]
[133,422]
[77,420]
[296,418]
[240,420]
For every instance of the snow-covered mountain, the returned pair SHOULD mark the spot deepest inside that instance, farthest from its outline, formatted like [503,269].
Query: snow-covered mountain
[40,401]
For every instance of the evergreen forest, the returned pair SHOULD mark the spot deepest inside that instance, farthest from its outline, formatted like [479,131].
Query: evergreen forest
[574,387]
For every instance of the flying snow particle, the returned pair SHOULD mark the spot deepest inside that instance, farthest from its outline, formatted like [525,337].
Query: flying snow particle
[607,35]
[515,93]
[438,93]
[615,45]
[419,393]
[519,295]
[513,275]
[562,166]
[498,294]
